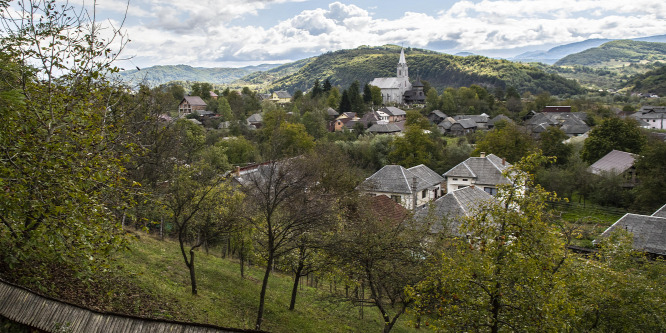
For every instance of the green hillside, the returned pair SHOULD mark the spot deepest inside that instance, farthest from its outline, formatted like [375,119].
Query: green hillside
[617,54]
[271,75]
[653,81]
[156,75]
[441,70]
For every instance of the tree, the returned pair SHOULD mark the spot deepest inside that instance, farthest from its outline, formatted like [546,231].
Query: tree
[327,86]
[202,89]
[202,208]
[432,100]
[316,89]
[367,94]
[510,142]
[63,145]
[224,109]
[383,252]
[651,170]
[551,142]
[509,271]
[414,148]
[613,133]
[377,98]
[283,203]
[345,103]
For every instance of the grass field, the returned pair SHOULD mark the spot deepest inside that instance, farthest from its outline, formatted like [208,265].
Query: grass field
[226,299]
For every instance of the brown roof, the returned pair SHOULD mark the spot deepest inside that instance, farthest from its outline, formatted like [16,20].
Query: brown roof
[385,209]
[616,162]
[194,100]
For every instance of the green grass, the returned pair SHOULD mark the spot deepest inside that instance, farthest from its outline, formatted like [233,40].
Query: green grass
[590,220]
[226,299]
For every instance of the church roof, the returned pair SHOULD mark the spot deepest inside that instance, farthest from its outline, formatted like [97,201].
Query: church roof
[402,57]
[386,82]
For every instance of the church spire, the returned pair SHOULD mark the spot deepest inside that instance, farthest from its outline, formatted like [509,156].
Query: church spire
[402,57]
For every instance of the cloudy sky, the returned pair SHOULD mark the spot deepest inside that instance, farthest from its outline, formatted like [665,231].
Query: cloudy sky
[232,33]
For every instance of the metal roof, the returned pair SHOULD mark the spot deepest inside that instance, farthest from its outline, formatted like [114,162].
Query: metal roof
[453,207]
[615,162]
[649,232]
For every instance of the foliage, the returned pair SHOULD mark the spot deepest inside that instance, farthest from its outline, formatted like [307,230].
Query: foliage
[613,133]
[414,147]
[653,81]
[509,272]
[651,170]
[239,150]
[551,143]
[619,51]
[511,142]
[62,139]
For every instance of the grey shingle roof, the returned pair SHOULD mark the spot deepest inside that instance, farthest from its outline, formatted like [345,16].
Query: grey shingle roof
[499,118]
[194,100]
[661,212]
[467,123]
[649,232]
[427,174]
[487,170]
[574,126]
[282,94]
[393,179]
[332,112]
[393,111]
[386,82]
[453,207]
[616,162]
[255,118]
[384,128]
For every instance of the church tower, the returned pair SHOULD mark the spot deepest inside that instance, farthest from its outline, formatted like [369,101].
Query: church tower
[403,71]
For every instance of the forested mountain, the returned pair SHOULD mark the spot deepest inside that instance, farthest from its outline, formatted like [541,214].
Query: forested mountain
[441,70]
[653,81]
[617,53]
[268,76]
[156,75]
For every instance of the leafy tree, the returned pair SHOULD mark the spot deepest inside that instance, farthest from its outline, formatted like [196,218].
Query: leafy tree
[432,100]
[414,148]
[315,123]
[510,142]
[383,255]
[224,109]
[613,133]
[510,270]
[551,144]
[651,170]
[63,140]
[333,99]
[239,150]
[202,89]
[376,95]
[289,140]
[284,203]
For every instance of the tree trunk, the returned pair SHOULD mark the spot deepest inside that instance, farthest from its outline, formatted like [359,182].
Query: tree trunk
[192,275]
[294,290]
[262,295]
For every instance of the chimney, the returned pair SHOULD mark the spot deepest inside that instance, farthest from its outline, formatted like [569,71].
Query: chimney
[503,161]
[237,172]
[483,154]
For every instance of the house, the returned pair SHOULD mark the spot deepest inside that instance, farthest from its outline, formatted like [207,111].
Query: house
[648,231]
[572,123]
[499,118]
[437,116]
[462,127]
[213,95]
[385,128]
[281,97]
[404,186]
[653,115]
[394,114]
[617,163]
[481,120]
[448,212]
[190,104]
[331,113]
[393,88]
[416,94]
[485,172]
[255,120]
[264,97]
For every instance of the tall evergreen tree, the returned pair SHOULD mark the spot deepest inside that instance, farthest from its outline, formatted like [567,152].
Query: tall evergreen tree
[316,89]
[345,102]
[327,86]
[367,94]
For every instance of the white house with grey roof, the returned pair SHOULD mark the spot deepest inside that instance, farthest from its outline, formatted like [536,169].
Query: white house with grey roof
[448,212]
[485,172]
[654,116]
[418,183]
[649,232]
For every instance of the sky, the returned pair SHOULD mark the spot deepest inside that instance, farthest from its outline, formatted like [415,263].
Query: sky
[234,33]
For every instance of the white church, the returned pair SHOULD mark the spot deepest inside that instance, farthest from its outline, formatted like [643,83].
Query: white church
[394,88]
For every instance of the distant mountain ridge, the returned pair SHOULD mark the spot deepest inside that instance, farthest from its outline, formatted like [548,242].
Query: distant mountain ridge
[156,75]
[441,70]
[556,53]
[617,53]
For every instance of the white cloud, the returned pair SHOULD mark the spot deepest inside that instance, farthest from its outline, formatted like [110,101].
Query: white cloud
[195,33]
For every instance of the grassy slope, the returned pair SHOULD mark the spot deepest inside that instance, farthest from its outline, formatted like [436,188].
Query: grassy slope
[227,300]
[617,54]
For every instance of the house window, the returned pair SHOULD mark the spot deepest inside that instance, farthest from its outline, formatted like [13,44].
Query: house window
[465,179]
[424,193]
[396,198]
[455,178]
[490,190]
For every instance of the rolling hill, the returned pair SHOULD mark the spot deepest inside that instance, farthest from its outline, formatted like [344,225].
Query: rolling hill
[156,75]
[441,70]
[617,54]
[653,82]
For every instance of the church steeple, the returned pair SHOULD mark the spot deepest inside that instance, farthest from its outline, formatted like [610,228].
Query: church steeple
[403,70]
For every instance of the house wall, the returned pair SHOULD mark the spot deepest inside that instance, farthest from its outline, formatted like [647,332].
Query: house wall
[454,183]
[406,200]
[656,123]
